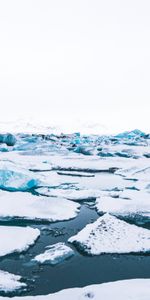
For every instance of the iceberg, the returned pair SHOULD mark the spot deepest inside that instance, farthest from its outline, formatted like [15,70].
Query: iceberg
[55,254]
[10,282]
[16,239]
[16,179]
[111,235]
[9,139]
[27,206]
[130,134]
[83,150]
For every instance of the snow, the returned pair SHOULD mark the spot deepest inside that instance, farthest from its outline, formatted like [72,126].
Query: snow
[133,289]
[55,254]
[28,206]
[111,235]
[16,239]
[10,282]
[130,202]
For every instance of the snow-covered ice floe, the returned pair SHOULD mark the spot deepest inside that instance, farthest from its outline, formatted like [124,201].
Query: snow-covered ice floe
[10,282]
[75,195]
[54,254]
[111,235]
[16,239]
[128,203]
[92,165]
[31,207]
[133,289]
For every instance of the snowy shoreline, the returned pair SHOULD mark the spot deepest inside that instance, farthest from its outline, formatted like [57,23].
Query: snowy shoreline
[135,289]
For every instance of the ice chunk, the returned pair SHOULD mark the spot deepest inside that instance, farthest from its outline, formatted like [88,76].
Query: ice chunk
[111,235]
[16,239]
[83,150]
[10,282]
[8,139]
[55,254]
[28,206]
[128,203]
[14,179]
[77,174]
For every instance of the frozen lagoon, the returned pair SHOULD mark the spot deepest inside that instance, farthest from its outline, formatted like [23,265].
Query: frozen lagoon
[80,269]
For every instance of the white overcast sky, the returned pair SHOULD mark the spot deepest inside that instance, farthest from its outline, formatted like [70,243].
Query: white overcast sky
[68,60]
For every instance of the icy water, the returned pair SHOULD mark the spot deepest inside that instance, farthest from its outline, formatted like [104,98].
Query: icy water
[77,271]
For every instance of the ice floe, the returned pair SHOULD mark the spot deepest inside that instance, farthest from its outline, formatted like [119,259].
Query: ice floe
[71,194]
[16,239]
[54,254]
[23,161]
[10,282]
[111,235]
[128,203]
[31,207]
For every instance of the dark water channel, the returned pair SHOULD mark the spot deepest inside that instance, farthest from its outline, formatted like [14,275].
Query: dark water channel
[79,270]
